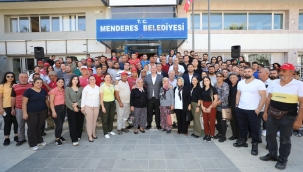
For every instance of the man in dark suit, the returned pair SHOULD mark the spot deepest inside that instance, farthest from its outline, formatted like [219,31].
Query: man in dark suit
[153,82]
[160,71]
[189,75]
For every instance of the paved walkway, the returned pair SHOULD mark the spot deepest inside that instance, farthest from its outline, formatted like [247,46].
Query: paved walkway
[153,151]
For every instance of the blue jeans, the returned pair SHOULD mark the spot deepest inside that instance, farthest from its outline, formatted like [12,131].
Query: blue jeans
[245,119]
[285,126]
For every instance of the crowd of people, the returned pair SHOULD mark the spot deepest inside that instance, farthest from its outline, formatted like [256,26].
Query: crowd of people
[263,100]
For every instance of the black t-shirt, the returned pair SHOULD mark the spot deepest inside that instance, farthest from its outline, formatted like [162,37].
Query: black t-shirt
[205,94]
[36,100]
[195,93]
[51,62]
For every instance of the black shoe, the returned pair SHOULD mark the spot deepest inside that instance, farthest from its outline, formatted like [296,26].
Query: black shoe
[159,127]
[205,137]
[233,138]
[129,127]
[88,140]
[238,140]
[195,136]
[268,157]
[148,127]
[281,164]
[94,137]
[142,131]
[58,142]
[19,143]
[163,130]
[222,139]
[241,143]
[217,136]
[43,134]
[6,142]
[168,131]
[210,138]
[16,139]
[62,139]
[254,149]
[136,132]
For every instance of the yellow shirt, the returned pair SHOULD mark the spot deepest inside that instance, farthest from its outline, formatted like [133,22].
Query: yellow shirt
[108,92]
[6,90]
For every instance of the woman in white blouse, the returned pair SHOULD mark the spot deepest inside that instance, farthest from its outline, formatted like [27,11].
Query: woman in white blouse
[90,107]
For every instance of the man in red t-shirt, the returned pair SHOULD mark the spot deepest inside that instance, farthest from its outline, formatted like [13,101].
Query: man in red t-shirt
[99,76]
[53,84]
[16,101]
[132,79]
[134,60]
[165,66]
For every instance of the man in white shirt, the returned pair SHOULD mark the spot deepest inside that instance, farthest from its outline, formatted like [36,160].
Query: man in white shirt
[126,69]
[180,67]
[250,99]
[122,94]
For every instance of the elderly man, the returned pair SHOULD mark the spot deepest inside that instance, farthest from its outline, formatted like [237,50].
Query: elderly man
[171,78]
[180,67]
[281,114]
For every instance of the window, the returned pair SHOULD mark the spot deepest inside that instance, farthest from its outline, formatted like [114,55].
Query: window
[278,21]
[44,24]
[196,21]
[235,21]
[13,25]
[259,21]
[264,59]
[47,23]
[300,21]
[81,23]
[215,21]
[55,24]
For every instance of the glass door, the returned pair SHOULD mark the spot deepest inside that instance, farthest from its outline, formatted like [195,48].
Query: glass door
[23,64]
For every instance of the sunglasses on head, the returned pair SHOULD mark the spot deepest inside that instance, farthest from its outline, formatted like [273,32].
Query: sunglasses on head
[9,76]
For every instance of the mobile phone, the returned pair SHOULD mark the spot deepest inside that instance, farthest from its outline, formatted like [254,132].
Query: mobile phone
[4,113]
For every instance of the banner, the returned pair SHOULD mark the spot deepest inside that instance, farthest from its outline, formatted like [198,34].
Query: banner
[141,29]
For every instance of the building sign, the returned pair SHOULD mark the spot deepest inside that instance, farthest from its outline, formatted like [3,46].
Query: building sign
[141,2]
[141,29]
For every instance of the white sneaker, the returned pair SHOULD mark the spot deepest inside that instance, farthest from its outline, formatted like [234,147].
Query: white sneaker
[264,133]
[34,148]
[112,133]
[75,143]
[42,144]
[107,136]
[278,133]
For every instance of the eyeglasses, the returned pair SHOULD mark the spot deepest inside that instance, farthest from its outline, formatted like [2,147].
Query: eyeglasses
[9,76]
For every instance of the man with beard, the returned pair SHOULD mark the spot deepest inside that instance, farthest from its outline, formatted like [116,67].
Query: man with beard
[273,74]
[233,77]
[126,69]
[250,99]
[113,72]
[189,75]
[212,75]
[67,76]
[281,114]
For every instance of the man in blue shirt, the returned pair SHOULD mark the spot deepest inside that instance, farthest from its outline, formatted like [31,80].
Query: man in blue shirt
[144,60]
[255,66]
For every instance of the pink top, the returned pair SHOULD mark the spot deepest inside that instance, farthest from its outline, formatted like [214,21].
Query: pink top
[83,81]
[59,96]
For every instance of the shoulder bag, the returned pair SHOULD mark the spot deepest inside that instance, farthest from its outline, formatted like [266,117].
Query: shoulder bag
[276,113]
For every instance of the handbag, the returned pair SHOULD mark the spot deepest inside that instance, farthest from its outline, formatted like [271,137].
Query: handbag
[226,114]
[173,118]
[276,113]
[131,119]
[189,116]
[169,120]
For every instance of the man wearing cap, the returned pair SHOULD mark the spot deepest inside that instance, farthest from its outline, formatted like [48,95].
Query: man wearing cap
[281,114]
[40,64]
[89,64]
[122,94]
[84,76]
[44,70]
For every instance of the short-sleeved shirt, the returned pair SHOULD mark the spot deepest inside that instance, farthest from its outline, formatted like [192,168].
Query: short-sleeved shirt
[250,97]
[59,96]
[36,100]
[206,94]
[6,91]
[18,91]
[131,82]
[108,92]
[124,91]
[286,97]
[83,81]
[99,79]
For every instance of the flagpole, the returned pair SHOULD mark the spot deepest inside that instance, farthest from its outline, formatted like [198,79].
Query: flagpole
[209,55]
[193,25]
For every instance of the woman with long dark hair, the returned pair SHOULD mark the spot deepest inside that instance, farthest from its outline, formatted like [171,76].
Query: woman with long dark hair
[34,106]
[57,106]
[195,93]
[73,94]
[209,97]
[181,105]
[6,107]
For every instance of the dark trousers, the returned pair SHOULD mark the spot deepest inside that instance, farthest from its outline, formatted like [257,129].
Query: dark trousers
[221,124]
[285,126]
[260,119]
[108,117]
[234,123]
[34,122]
[245,118]
[75,124]
[9,119]
[61,112]
[153,104]
[182,123]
